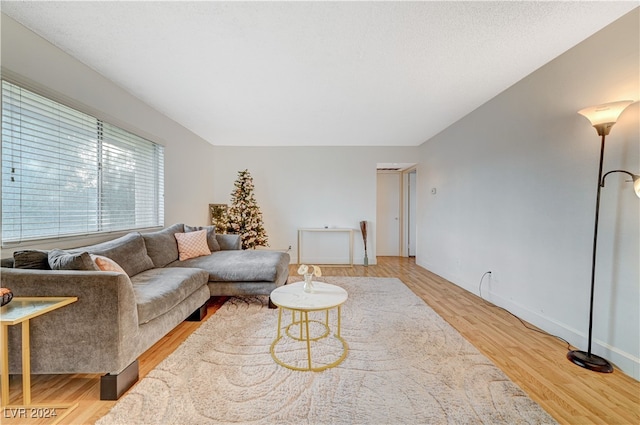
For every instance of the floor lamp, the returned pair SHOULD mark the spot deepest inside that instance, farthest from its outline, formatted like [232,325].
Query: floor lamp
[602,118]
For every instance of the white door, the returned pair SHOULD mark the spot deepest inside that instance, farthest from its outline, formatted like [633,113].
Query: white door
[388,214]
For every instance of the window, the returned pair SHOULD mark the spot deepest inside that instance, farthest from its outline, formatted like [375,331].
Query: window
[67,173]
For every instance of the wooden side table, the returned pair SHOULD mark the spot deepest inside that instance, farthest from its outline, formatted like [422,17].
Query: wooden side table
[20,311]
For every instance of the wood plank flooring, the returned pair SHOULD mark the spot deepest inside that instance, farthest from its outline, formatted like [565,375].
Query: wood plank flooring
[536,362]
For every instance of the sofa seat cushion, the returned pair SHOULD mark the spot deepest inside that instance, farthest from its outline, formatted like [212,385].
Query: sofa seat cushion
[159,290]
[240,265]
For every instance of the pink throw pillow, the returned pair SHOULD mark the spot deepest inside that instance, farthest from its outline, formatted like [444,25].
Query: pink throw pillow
[107,264]
[192,244]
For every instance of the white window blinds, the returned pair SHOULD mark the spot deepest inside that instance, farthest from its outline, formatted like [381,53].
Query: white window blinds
[67,173]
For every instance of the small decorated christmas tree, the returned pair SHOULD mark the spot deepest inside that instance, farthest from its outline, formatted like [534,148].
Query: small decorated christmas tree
[245,218]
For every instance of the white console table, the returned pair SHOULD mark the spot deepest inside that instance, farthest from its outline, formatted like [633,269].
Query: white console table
[332,230]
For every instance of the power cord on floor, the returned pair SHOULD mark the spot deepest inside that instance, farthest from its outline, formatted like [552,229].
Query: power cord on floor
[521,321]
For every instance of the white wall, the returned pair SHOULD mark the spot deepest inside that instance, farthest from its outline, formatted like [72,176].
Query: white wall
[516,187]
[37,64]
[299,187]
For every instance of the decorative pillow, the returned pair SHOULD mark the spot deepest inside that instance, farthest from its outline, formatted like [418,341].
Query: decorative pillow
[62,260]
[212,242]
[31,259]
[106,264]
[192,244]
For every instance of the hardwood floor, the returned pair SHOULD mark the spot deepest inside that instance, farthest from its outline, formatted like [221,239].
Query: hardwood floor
[536,362]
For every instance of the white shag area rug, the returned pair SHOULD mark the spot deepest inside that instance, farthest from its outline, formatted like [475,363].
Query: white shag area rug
[405,365]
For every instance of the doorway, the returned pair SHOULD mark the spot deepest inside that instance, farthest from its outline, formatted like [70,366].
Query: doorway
[388,213]
[396,228]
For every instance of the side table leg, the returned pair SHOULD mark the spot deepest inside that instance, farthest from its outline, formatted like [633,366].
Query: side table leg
[26,364]
[4,364]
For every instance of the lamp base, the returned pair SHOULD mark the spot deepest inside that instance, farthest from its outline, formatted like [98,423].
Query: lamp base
[590,361]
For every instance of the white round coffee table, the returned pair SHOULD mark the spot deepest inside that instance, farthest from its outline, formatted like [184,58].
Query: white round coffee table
[324,297]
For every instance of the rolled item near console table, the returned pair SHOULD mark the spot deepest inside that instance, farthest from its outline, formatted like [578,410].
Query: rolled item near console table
[363,229]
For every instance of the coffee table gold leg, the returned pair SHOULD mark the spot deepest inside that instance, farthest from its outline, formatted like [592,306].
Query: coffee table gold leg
[4,364]
[26,364]
[339,311]
[301,333]
[306,321]
[279,320]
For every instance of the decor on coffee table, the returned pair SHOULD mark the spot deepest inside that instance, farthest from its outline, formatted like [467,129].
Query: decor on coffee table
[245,218]
[304,271]
[406,365]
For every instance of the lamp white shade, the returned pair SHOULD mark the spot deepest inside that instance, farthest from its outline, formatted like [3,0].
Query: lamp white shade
[636,185]
[607,113]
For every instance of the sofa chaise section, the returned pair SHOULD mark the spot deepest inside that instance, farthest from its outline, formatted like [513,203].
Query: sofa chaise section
[249,272]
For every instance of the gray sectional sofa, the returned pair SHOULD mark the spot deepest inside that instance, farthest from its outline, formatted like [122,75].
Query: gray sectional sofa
[119,316]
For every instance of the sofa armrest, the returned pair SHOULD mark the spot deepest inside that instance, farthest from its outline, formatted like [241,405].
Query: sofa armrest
[96,334]
[229,241]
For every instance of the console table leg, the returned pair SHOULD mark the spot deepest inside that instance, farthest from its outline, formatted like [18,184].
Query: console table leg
[26,364]
[4,364]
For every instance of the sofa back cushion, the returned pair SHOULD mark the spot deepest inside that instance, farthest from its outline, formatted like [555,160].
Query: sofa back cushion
[129,251]
[31,259]
[63,260]
[212,242]
[9,263]
[162,246]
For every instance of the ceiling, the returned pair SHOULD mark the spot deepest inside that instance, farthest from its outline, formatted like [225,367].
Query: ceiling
[315,73]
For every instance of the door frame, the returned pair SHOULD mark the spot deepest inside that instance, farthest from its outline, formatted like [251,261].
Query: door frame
[405,230]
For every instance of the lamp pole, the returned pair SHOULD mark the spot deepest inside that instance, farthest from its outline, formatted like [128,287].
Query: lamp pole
[587,359]
[595,249]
